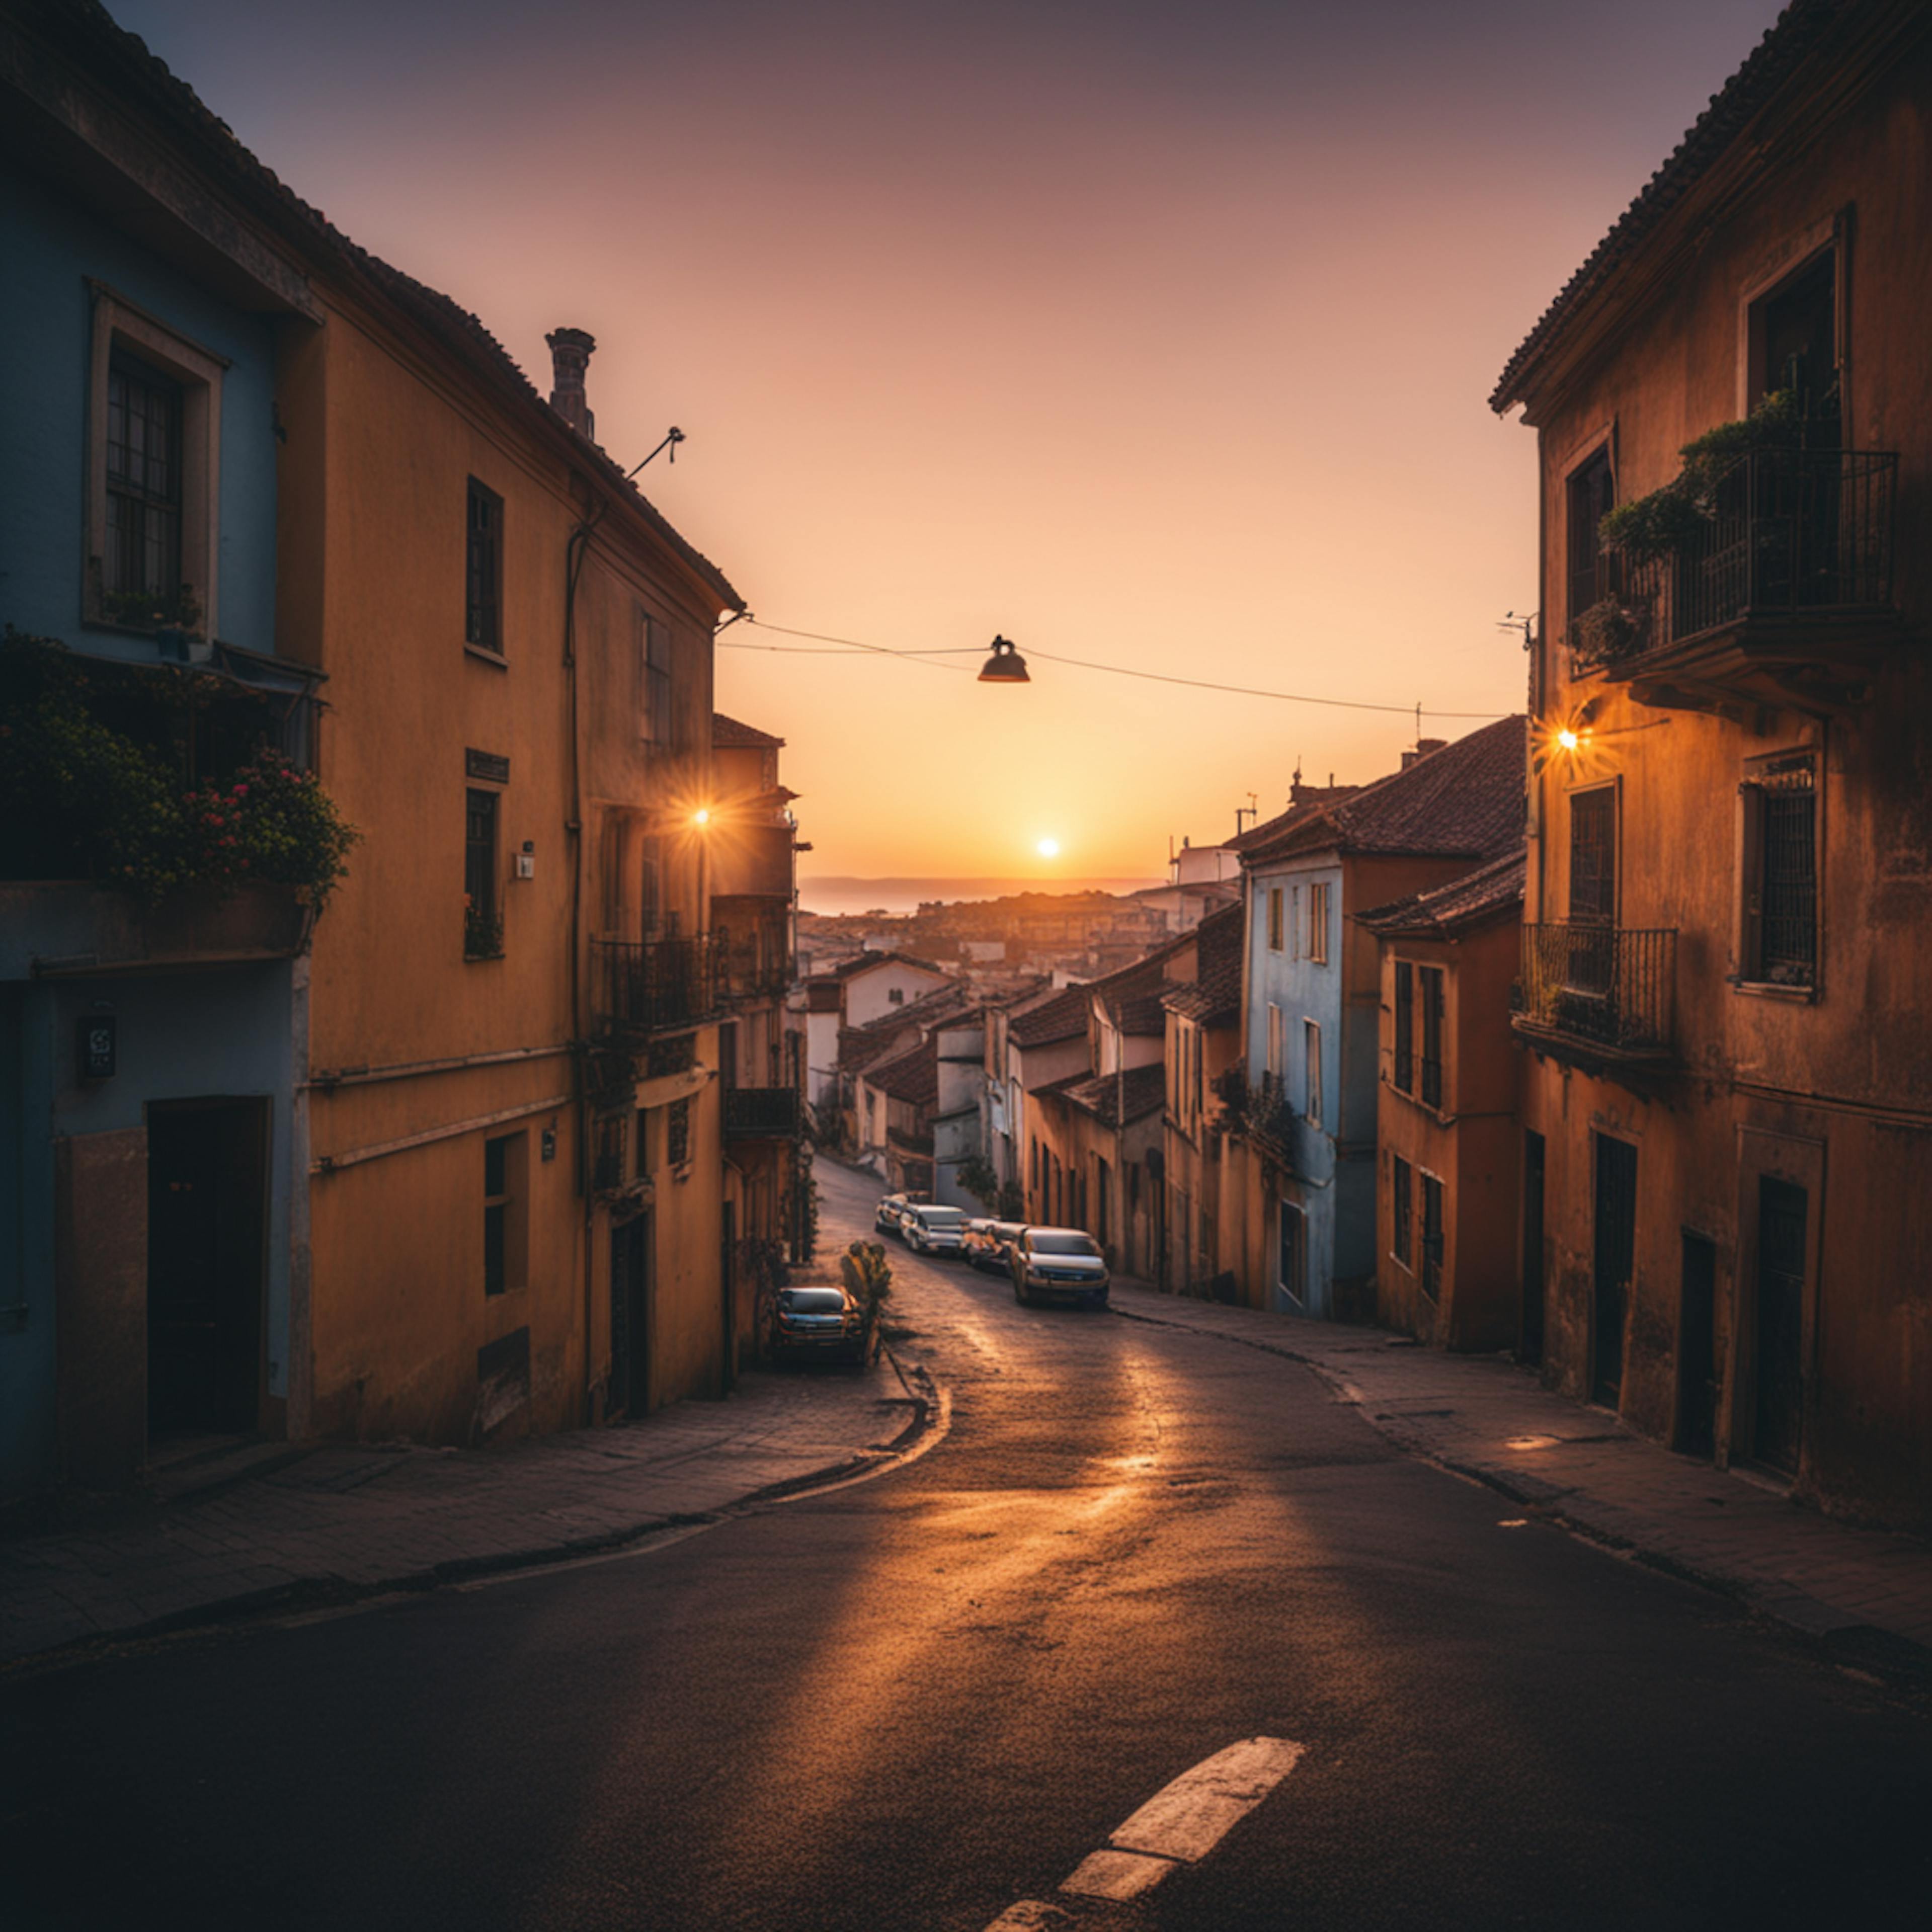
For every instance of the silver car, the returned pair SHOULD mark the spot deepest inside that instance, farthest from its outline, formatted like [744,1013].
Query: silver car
[933,1231]
[1059,1264]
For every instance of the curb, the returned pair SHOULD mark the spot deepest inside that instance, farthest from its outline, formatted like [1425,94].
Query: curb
[931,1403]
[1832,1635]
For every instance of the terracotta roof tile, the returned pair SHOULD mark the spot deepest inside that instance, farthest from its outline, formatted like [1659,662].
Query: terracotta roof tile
[1465,800]
[728,734]
[1143,1089]
[1490,892]
[1062,1017]
[1213,996]
[912,1077]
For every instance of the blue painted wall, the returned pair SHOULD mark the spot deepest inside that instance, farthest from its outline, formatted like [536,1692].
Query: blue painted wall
[1336,1197]
[222,1032]
[50,248]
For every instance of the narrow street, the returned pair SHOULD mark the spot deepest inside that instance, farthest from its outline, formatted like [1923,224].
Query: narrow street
[916,1700]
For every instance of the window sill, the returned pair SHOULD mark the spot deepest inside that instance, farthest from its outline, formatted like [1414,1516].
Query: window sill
[484,656]
[481,958]
[1771,989]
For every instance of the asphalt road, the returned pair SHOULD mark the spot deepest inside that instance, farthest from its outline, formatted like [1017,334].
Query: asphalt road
[910,1702]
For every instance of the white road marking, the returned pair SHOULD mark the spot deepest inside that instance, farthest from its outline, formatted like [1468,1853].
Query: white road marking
[1180,1824]
[1116,1875]
[1030,1914]
[1187,1818]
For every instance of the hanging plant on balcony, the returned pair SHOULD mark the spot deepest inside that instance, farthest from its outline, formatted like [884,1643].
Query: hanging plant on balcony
[1608,630]
[482,931]
[93,783]
[1653,528]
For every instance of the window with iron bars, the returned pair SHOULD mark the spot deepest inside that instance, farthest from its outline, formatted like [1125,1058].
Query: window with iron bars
[607,1151]
[1431,977]
[1432,1236]
[1403,1073]
[1400,1183]
[1780,922]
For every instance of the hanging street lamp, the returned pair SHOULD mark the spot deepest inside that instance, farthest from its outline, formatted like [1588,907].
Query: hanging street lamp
[1006,666]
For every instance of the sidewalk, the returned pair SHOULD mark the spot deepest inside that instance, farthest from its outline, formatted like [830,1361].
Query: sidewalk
[339,1521]
[1865,1595]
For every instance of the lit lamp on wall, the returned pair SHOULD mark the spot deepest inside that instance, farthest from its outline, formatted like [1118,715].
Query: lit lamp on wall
[1006,666]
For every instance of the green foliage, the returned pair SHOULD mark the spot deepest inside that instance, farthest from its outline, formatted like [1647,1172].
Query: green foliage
[1650,529]
[145,610]
[1605,631]
[976,1174]
[867,1275]
[482,932]
[93,763]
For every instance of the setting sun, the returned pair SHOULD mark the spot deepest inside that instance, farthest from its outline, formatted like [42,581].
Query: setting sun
[1049,848]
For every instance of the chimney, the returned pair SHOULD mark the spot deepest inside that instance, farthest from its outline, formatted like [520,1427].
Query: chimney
[1424,746]
[569,354]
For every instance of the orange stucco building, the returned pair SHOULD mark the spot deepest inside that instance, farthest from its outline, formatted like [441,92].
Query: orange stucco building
[1727,1106]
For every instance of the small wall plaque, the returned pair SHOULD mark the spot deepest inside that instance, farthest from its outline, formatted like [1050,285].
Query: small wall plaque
[94,1047]
[486,765]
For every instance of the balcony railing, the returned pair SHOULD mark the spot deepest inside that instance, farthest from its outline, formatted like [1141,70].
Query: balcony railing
[751,972]
[1790,531]
[761,1113]
[1608,986]
[653,986]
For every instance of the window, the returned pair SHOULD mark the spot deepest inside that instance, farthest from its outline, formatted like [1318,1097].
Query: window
[1274,919]
[654,722]
[1432,1036]
[153,473]
[1102,1176]
[1294,921]
[677,1133]
[895,996]
[1590,496]
[643,1162]
[483,576]
[1318,924]
[650,894]
[1274,1041]
[144,491]
[1432,1236]
[1593,856]
[505,1245]
[1401,1182]
[482,919]
[1781,883]
[611,896]
[1311,1041]
[1404,1072]
[1290,1257]
[1794,346]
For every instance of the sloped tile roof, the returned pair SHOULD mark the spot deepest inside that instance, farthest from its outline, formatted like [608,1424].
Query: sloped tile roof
[120,61]
[728,734]
[1142,1089]
[1270,830]
[1062,1017]
[1213,997]
[1793,37]
[943,1004]
[912,1077]
[849,968]
[1490,892]
[1465,801]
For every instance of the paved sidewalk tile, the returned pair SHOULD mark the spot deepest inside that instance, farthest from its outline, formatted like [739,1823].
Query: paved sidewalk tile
[1490,1418]
[351,1519]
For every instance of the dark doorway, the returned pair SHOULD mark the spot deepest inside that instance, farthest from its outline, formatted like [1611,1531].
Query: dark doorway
[1529,1338]
[727,1296]
[630,1316]
[1781,1214]
[1615,1261]
[1292,1258]
[1697,1348]
[1800,347]
[207,1257]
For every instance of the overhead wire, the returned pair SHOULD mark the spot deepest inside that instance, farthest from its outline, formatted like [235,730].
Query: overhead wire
[923,656]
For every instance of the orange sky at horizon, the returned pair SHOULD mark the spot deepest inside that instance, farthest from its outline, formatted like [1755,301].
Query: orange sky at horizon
[1157,337]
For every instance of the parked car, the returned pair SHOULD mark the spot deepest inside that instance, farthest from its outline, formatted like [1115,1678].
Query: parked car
[885,1215]
[1059,1264]
[934,1231]
[819,1318]
[989,1244]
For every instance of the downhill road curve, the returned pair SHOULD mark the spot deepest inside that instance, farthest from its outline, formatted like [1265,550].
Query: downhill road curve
[922,1700]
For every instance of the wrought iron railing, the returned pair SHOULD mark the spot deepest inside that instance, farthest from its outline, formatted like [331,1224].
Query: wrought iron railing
[750,972]
[1787,531]
[761,1113]
[1609,985]
[658,984]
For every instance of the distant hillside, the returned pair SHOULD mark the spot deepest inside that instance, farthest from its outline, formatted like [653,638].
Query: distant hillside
[828,893]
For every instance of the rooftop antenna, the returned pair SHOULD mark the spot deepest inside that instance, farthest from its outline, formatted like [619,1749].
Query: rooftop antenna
[1511,621]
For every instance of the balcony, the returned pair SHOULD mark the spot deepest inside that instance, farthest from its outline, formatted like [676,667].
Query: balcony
[753,969]
[59,928]
[1597,995]
[1780,595]
[658,985]
[762,1113]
